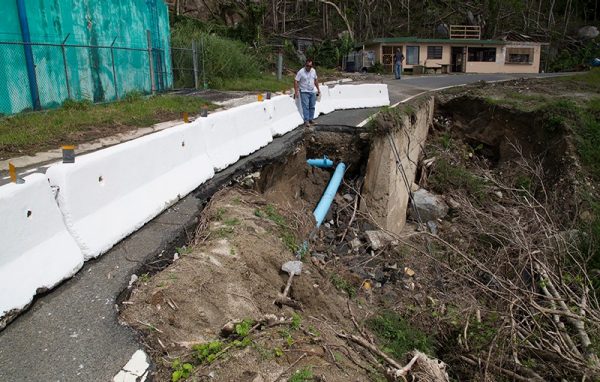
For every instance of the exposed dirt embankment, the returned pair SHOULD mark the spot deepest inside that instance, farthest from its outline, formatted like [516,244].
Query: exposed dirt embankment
[489,274]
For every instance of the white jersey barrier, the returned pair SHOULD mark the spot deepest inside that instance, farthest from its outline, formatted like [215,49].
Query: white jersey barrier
[324,103]
[37,250]
[222,140]
[358,96]
[284,115]
[253,126]
[106,195]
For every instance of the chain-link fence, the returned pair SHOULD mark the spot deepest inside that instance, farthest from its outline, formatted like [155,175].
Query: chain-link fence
[38,75]
[189,66]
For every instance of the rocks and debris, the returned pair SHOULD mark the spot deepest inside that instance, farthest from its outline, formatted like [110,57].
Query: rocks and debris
[428,206]
[378,239]
[132,280]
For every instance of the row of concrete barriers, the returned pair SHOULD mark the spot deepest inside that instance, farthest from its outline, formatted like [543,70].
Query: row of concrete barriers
[52,223]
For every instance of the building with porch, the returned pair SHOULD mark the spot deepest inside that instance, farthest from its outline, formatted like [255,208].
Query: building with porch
[461,53]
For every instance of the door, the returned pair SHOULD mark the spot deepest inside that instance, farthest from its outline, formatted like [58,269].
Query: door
[457,59]
[387,59]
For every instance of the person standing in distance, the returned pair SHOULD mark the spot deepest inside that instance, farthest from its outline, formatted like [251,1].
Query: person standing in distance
[306,86]
[398,59]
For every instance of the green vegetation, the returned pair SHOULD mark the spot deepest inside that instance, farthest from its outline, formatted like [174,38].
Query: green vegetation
[286,234]
[447,176]
[208,352]
[181,370]
[296,321]
[243,329]
[303,375]
[77,122]
[343,285]
[264,82]
[144,277]
[397,336]
[226,59]
[183,250]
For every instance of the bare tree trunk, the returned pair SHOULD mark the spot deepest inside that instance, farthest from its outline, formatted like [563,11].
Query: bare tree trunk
[342,15]
[284,10]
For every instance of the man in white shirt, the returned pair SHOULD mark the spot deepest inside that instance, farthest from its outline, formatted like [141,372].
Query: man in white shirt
[306,86]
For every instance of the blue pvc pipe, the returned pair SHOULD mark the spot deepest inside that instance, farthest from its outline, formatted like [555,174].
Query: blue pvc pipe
[321,162]
[33,87]
[321,211]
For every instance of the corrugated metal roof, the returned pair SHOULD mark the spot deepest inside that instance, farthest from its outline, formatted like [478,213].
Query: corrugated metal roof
[392,40]
[520,37]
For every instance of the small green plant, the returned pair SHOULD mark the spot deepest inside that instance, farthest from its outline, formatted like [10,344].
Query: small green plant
[220,213]
[397,336]
[286,234]
[231,222]
[278,352]
[243,328]
[181,370]
[208,352]
[523,182]
[183,250]
[224,232]
[232,251]
[287,336]
[274,215]
[303,375]
[343,285]
[296,321]
[312,330]
[144,277]
[446,141]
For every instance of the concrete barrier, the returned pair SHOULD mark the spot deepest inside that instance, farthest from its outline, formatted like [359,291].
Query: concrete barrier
[253,126]
[359,96]
[284,115]
[108,194]
[324,104]
[37,250]
[222,140]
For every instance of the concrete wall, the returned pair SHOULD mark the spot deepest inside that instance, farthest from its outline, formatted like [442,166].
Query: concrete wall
[385,195]
[87,22]
[501,66]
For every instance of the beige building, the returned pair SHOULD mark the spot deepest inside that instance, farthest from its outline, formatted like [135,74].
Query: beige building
[514,53]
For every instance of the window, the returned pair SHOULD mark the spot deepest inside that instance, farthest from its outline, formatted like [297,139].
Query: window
[434,52]
[482,54]
[412,55]
[519,55]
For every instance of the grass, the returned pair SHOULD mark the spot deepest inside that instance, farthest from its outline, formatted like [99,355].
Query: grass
[397,336]
[447,176]
[589,79]
[263,83]
[343,285]
[287,235]
[303,375]
[77,122]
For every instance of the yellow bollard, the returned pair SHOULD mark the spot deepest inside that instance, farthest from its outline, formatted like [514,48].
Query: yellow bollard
[12,171]
[260,97]
[186,117]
